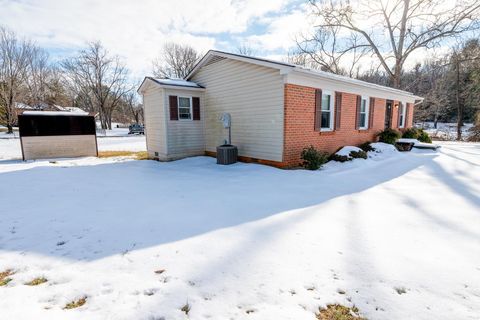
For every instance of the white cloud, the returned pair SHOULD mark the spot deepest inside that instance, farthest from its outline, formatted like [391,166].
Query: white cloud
[282,30]
[135,30]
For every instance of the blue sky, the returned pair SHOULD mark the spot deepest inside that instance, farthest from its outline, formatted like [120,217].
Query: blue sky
[137,30]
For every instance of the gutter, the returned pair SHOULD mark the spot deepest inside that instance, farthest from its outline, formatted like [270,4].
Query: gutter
[360,83]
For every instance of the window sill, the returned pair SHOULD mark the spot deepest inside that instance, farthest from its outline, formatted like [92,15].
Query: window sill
[326,132]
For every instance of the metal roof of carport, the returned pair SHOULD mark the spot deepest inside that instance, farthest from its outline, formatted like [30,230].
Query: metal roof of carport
[172,84]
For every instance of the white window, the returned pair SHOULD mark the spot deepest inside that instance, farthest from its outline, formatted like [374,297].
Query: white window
[327,111]
[401,113]
[184,108]
[364,106]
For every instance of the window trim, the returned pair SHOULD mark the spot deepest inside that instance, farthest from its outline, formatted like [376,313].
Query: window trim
[332,111]
[367,112]
[402,114]
[191,108]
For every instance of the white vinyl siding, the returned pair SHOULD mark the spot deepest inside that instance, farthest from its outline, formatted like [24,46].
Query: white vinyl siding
[253,95]
[154,111]
[185,137]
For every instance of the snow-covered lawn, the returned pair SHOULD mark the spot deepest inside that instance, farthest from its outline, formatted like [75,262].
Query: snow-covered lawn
[10,148]
[397,235]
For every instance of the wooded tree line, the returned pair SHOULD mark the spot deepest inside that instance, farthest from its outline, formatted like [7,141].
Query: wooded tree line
[449,83]
[387,34]
[93,80]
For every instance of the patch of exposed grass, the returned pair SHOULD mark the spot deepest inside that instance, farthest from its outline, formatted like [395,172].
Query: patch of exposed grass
[75,303]
[4,277]
[186,308]
[5,129]
[339,312]
[36,281]
[400,290]
[140,155]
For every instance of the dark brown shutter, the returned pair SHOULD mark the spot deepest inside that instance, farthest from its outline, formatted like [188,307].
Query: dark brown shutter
[196,108]
[338,109]
[318,109]
[172,100]
[399,112]
[371,110]
[357,113]
[406,114]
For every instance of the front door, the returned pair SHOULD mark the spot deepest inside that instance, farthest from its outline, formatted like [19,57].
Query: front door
[388,114]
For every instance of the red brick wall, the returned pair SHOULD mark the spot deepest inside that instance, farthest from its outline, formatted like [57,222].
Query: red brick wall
[409,116]
[299,124]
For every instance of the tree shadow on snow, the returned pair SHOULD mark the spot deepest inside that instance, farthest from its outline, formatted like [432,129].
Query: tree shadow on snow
[90,212]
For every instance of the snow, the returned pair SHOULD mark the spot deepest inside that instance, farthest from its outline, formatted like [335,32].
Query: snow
[345,151]
[69,109]
[178,82]
[446,131]
[385,148]
[20,105]
[11,148]
[56,113]
[115,132]
[245,237]
[130,143]
[417,143]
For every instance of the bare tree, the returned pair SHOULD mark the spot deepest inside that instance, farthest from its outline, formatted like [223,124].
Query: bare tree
[246,50]
[395,29]
[176,61]
[58,89]
[134,106]
[99,81]
[15,56]
[39,74]
[332,53]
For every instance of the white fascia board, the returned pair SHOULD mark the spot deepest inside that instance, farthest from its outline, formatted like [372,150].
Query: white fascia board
[147,83]
[315,80]
[181,88]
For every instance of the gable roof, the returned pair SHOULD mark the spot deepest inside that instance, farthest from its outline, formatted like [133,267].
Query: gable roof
[171,83]
[255,60]
[286,68]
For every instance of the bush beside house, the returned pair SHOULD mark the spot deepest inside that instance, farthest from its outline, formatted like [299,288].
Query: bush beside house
[417,133]
[313,159]
[389,136]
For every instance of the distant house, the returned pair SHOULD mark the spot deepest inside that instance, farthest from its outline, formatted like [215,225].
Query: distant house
[22,107]
[277,109]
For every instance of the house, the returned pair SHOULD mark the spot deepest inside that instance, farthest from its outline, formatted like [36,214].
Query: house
[277,109]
